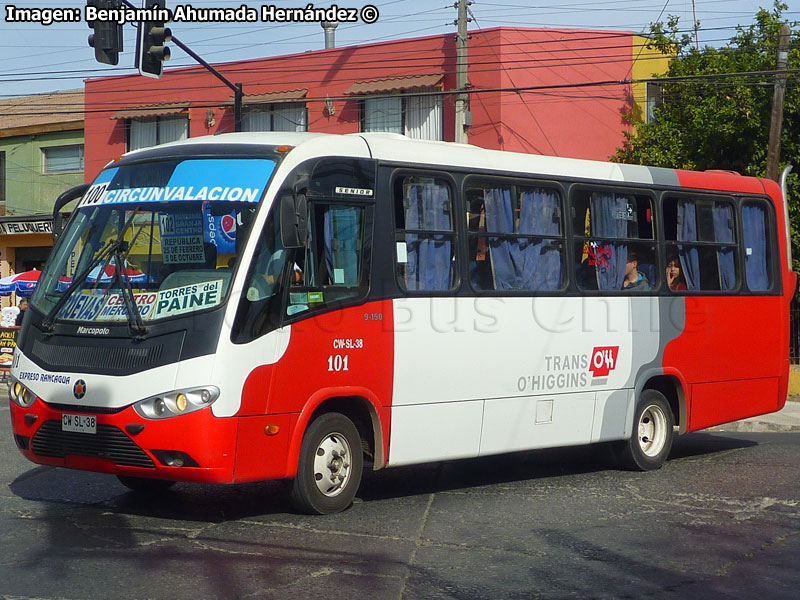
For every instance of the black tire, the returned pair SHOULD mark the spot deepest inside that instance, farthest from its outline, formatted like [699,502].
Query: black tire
[651,442]
[329,468]
[143,485]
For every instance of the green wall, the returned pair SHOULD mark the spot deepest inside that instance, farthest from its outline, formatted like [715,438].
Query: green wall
[28,189]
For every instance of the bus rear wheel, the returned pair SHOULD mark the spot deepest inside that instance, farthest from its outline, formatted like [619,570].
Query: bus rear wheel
[651,442]
[329,467]
[144,485]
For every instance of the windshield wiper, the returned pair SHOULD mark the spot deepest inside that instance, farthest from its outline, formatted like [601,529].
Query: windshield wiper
[107,250]
[135,322]
[112,248]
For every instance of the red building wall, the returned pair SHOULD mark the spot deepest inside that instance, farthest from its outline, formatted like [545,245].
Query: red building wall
[575,121]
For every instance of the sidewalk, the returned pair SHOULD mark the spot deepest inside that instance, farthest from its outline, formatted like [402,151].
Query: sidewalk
[787,419]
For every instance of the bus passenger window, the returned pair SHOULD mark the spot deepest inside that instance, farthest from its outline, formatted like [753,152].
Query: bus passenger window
[425,238]
[614,243]
[701,232]
[757,257]
[515,237]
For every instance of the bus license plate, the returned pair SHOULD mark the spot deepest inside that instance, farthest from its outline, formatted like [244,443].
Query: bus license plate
[79,423]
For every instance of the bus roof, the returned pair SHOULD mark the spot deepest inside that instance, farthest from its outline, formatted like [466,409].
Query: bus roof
[397,148]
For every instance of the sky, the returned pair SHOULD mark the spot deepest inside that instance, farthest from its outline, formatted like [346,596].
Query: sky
[36,58]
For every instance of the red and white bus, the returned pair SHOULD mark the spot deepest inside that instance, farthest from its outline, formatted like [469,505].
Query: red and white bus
[262,306]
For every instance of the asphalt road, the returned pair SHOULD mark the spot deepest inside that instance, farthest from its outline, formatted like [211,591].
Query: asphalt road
[720,520]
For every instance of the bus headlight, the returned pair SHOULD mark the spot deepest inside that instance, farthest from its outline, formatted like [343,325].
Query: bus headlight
[177,402]
[21,395]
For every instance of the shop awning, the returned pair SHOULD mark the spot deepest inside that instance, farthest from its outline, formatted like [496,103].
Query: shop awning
[273,97]
[393,84]
[152,110]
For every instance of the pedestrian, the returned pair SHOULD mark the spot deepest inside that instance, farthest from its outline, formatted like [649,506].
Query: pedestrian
[23,306]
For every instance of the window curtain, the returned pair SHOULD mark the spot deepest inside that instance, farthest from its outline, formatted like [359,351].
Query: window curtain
[424,117]
[539,215]
[755,242]
[172,129]
[63,158]
[256,120]
[521,263]
[429,263]
[606,221]
[342,244]
[687,232]
[500,219]
[143,133]
[383,114]
[723,232]
[289,117]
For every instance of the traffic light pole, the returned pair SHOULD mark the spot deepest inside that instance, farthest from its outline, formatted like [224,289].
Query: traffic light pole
[236,87]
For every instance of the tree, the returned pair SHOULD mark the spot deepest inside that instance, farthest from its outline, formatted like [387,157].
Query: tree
[709,119]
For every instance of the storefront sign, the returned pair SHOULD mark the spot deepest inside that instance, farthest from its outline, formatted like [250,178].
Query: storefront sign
[17,227]
[8,342]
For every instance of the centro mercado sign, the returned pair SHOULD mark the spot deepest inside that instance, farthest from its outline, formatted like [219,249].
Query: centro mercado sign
[19,227]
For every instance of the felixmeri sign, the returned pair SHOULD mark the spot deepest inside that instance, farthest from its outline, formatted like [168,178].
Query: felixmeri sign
[17,227]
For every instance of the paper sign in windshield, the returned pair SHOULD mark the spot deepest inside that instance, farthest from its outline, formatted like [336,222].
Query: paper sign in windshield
[114,309]
[83,307]
[181,238]
[188,298]
[203,180]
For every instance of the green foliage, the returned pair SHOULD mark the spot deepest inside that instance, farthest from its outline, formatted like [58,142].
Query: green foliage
[712,121]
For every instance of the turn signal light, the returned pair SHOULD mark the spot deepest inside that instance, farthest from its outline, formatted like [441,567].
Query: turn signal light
[272,429]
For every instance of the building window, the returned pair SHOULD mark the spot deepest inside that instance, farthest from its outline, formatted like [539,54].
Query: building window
[62,159]
[152,131]
[418,117]
[289,116]
[654,96]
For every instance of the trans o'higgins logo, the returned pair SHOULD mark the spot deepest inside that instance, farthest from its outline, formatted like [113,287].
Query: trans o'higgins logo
[604,360]
[572,371]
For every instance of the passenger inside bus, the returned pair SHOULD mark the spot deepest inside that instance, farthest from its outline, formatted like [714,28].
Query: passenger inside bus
[634,280]
[675,279]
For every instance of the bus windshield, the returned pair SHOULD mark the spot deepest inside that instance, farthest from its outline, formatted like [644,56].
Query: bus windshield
[162,236]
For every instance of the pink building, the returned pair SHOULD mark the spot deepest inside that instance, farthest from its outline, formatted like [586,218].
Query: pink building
[542,91]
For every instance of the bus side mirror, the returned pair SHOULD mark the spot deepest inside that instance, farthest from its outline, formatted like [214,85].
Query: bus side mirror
[69,196]
[294,224]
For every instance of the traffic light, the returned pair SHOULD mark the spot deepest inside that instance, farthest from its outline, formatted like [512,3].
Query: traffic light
[107,37]
[150,49]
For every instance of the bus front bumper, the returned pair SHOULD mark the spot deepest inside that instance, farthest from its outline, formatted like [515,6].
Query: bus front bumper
[195,447]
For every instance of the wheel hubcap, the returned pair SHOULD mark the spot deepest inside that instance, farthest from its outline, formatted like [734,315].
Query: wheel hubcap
[332,464]
[652,430]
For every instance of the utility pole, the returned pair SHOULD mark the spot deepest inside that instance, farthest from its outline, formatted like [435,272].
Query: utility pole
[463,116]
[776,119]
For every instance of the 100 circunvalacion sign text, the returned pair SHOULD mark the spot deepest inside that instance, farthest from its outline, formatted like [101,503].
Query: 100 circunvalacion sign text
[267,13]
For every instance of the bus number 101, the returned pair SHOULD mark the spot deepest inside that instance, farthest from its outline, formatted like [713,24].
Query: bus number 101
[337,362]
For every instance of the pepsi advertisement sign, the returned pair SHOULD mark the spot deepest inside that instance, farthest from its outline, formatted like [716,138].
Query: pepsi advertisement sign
[220,230]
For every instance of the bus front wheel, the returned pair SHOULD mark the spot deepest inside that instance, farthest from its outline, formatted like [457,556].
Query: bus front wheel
[329,468]
[649,446]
